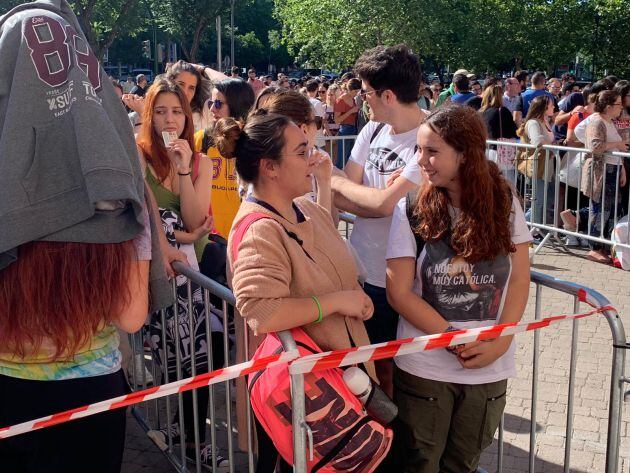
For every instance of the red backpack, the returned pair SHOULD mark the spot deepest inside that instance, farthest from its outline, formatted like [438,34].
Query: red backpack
[345,438]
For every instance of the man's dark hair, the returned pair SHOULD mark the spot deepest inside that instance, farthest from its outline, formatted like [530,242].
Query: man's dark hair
[600,86]
[235,70]
[567,77]
[521,76]
[347,76]
[393,68]
[568,88]
[312,85]
[489,81]
[251,70]
[461,82]
[538,78]
[353,84]
[612,79]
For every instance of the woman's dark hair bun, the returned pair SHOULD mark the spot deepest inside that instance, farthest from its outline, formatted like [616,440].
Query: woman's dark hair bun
[226,133]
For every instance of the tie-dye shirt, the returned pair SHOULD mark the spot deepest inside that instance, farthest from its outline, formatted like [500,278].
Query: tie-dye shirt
[99,358]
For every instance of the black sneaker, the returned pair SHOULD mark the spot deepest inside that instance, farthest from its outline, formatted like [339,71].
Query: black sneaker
[206,458]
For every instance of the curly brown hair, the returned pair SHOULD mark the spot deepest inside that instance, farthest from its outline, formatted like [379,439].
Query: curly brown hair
[483,229]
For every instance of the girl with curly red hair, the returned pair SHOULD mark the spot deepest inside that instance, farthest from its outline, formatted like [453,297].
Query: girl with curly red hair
[457,258]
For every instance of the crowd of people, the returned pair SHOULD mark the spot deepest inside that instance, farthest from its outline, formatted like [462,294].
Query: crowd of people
[116,186]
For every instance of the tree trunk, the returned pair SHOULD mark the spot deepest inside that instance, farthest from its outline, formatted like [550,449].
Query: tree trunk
[199,29]
[84,15]
[184,48]
[111,36]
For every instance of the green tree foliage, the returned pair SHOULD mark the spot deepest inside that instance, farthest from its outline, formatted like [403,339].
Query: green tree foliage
[483,35]
[187,21]
[256,17]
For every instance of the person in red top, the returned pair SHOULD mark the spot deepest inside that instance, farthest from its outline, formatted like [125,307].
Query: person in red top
[346,112]
[578,116]
[256,84]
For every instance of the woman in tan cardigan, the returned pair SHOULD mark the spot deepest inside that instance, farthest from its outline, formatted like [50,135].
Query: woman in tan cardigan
[602,173]
[293,269]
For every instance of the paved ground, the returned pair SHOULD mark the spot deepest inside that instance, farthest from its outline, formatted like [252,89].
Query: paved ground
[592,383]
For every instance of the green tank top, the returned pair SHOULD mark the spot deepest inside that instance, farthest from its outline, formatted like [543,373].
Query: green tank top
[170,201]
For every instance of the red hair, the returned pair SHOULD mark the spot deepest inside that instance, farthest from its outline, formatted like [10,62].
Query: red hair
[64,292]
[149,141]
[483,229]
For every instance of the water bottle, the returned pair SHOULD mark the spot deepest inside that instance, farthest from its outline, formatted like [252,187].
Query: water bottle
[377,404]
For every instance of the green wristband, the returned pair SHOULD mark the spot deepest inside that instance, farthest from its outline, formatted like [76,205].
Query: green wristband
[320,316]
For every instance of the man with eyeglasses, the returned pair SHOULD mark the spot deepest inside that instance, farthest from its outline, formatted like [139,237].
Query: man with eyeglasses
[554,87]
[381,171]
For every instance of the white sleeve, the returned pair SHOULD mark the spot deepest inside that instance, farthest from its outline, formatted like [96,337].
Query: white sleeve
[412,172]
[402,243]
[580,130]
[535,133]
[320,110]
[520,230]
[361,148]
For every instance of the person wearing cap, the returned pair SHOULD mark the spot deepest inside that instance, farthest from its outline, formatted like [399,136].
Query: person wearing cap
[446,94]
[141,86]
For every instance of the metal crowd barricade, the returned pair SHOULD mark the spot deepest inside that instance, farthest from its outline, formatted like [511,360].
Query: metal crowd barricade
[157,415]
[545,200]
[339,148]
[617,375]
[619,347]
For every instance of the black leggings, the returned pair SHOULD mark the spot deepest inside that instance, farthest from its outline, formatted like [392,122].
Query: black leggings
[268,456]
[95,443]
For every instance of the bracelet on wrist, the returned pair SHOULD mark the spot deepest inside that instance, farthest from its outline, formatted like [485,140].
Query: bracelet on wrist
[189,173]
[320,313]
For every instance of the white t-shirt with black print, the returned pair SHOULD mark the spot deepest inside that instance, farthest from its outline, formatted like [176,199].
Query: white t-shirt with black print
[466,295]
[386,154]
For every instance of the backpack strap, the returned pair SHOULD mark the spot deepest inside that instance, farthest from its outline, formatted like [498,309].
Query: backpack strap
[414,221]
[241,228]
[377,131]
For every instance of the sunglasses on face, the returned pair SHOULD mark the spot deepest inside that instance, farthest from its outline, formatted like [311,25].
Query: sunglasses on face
[217,104]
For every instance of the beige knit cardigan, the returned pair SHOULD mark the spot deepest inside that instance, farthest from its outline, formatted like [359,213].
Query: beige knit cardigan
[272,266]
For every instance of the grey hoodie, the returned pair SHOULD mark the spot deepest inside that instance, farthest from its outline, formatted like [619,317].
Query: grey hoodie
[65,140]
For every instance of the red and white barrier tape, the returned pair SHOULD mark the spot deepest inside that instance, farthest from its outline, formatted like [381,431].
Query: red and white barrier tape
[155,392]
[380,351]
[297,364]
